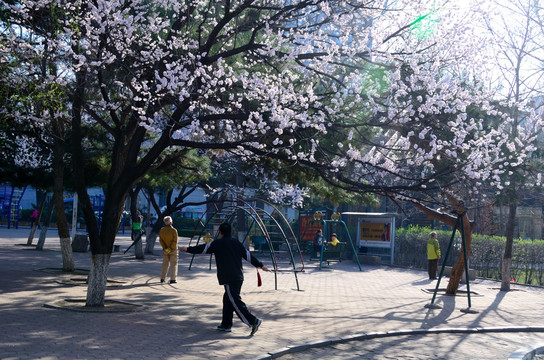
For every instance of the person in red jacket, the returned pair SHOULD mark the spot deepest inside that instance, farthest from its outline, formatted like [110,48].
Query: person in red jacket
[33,217]
[228,258]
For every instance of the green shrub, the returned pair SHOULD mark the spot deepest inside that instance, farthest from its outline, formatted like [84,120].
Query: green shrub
[184,225]
[485,254]
[411,246]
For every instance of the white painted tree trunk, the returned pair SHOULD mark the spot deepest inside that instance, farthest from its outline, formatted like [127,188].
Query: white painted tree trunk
[98,277]
[150,242]
[506,267]
[41,239]
[37,222]
[67,255]
[506,274]
[45,227]
[32,232]
[138,248]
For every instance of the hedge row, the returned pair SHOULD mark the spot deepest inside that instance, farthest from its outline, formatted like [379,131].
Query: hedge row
[485,257]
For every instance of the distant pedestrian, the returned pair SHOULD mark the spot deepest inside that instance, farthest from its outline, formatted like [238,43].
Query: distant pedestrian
[33,217]
[433,255]
[229,253]
[137,223]
[318,243]
[168,237]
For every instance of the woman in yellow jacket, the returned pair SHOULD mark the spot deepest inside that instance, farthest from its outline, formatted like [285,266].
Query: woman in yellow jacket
[433,255]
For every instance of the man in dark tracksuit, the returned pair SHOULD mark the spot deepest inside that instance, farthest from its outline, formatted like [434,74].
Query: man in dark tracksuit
[228,258]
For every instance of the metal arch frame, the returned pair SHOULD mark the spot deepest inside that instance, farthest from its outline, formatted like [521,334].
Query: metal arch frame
[289,228]
[256,219]
[270,245]
[204,225]
[252,212]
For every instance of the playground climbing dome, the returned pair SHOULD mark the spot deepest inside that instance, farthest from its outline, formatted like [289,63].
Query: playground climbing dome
[260,226]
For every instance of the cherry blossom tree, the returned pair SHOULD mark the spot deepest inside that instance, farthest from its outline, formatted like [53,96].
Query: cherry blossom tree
[519,80]
[351,89]
[432,143]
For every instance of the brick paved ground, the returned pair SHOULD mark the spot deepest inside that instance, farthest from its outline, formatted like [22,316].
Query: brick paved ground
[179,320]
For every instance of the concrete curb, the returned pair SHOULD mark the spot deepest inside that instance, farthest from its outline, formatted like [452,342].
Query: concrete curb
[110,306]
[527,353]
[404,332]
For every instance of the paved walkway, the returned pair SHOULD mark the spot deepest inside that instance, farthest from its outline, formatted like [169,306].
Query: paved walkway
[340,312]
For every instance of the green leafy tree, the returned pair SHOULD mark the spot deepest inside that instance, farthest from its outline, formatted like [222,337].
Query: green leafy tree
[178,180]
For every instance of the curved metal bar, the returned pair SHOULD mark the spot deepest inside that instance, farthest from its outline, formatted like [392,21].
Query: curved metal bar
[286,222]
[248,207]
[230,212]
[285,241]
[258,220]
[204,227]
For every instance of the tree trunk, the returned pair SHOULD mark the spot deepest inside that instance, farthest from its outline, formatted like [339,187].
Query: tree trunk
[506,269]
[136,234]
[32,232]
[153,235]
[98,279]
[45,227]
[102,247]
[138,248]
[58,197]
[101,243]
[67,255]
[459,266]
[151,239]
[37,222]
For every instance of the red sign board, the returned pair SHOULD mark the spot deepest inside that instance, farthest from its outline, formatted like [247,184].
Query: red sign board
[307,229]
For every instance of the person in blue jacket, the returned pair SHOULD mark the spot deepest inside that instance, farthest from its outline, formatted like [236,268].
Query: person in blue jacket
[228,258]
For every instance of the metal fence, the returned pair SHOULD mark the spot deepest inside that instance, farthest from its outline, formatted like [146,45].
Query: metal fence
[485,255]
